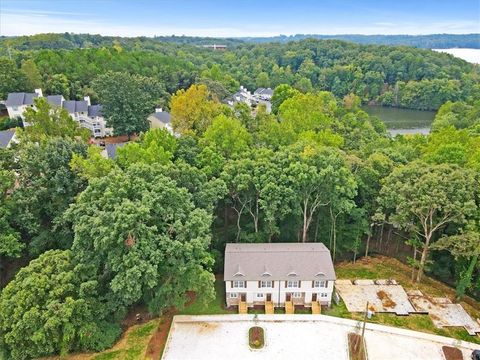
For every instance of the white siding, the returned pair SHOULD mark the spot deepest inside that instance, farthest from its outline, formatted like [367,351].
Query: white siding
[279,292]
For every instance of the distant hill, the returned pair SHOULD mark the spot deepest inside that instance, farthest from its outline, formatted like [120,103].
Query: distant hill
[74,41]
[434,41]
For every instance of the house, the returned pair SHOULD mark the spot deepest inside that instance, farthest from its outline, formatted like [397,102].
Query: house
[7,138]
[110,151]
[17,103]
[161,120]
[260,96]
[263,94]
[89,116]
[300,273]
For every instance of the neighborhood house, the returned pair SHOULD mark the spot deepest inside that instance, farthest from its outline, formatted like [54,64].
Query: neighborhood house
[296,273]
[89,116]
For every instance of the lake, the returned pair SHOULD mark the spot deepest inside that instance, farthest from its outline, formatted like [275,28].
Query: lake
[402,121]
[470,55]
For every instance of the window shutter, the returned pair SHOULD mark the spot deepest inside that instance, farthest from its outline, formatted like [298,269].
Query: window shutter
[299,283]
[273,284]
[231,284]
[259,284]
[286,283]
[326,283]
[313,284]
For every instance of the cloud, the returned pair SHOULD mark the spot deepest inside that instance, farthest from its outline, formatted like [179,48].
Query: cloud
[24,22]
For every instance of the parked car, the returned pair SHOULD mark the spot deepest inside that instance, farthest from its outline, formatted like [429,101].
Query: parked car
[476,355]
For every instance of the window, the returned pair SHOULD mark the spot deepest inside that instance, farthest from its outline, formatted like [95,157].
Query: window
[297,295]
[323,295]
[238,284]
[320,284]
[233,295]
[266,284]
[293,283]
[260,295]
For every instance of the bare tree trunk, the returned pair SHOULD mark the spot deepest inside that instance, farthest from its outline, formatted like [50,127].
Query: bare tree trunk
[316,228]
[414,261]
[389,236]
[368,245]
[305,221]
[423,258]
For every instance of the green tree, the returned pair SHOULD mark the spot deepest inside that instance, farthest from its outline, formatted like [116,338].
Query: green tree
[58,84]
[58,314]
[156,146]
[462,246]
[228,136]
[10,241]
[32,75]
[46,121]
[93,165]
[11,78]
[422,199]
[280,94]
[46,188]
[127,100]
[144,237]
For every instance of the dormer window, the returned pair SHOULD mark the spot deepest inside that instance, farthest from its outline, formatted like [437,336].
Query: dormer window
[292,273]
[320,273]
[266,272]
[239,272]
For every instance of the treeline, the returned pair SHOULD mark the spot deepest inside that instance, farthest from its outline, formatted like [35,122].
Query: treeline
[104,235]
[72,41]
[392,76]
[433,41]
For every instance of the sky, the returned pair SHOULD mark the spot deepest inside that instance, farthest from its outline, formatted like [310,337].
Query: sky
[241,18]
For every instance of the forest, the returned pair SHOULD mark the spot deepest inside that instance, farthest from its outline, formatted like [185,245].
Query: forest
[387,75]
[98,236]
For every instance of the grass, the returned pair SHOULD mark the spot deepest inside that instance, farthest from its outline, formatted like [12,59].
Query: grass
[131,346]
[388,268]
[213,307]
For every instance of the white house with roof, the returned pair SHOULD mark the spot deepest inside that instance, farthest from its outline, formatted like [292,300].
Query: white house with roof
[298,273]
[260,96]
[263,94]
[17,103]
[89,116]
[161,119]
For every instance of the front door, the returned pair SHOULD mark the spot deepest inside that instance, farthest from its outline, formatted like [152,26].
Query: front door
[289,297]
[243,297]
[314,297]
[269,297]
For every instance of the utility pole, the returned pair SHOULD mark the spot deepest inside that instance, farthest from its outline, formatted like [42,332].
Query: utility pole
[362,340]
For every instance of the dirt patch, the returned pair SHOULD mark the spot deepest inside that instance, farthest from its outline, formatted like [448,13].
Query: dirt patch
[157,341]
[356,347]
[452,353]
[256,337]
[386,300]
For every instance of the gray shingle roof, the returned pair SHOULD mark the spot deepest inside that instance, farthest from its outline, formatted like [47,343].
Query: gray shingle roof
[278,261]
[5,137]
[163,116]
[95,110]
[19,99]
[264,91]
[73,106]
[55,100]
[112,149]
